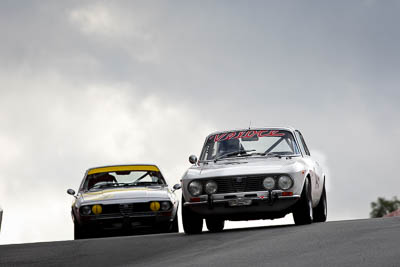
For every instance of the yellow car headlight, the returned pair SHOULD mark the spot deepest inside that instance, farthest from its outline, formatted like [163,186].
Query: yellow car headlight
[97,209]
[155,206]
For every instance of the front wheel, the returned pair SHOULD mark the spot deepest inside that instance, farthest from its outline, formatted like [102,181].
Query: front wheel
[78,232]
[175,225]
[215,225]
[192,222]
[303,211]
[321,210]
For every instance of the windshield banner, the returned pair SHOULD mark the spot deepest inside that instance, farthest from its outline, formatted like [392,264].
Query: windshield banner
[245,134]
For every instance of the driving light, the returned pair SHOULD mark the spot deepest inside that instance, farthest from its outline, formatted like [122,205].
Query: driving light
[195,188]
[85,210]
[211,187]
[269,183]
[154,206]
[285,182]
[165,205]
[97,209]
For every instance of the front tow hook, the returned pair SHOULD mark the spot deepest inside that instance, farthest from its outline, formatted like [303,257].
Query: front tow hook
[272,197]
[210,202]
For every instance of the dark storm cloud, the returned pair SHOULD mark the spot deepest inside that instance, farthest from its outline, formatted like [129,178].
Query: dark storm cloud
[327,68]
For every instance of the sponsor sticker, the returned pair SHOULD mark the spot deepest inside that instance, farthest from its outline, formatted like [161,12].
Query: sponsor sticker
[245,134]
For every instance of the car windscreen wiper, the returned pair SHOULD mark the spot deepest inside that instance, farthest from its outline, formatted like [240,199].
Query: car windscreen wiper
[271,154]
[233,153]
[109,184]
[129,184]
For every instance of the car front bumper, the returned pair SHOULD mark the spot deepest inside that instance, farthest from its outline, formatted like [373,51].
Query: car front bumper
[244,205]
[134,221]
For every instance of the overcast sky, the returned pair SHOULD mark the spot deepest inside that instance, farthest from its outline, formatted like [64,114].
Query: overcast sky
[89,83]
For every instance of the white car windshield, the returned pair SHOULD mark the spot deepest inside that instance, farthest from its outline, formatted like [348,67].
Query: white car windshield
[255,142]
[123,179]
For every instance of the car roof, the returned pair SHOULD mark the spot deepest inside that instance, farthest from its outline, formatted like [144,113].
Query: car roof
[287,128]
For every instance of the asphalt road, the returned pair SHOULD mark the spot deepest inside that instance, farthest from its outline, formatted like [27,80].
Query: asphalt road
[373,242]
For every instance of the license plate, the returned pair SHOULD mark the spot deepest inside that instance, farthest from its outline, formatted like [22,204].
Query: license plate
[239,202]
[135,224]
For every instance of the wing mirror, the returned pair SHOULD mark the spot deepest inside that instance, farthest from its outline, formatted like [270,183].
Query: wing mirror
[176,187]
[193,159]
[71,192]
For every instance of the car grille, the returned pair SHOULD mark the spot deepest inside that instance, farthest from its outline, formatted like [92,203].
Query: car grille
[126,209]
[239,184]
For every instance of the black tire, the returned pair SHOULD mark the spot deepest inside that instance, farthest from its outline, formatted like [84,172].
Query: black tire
[78,233]
[175,225]
[303,211]
[215,225]
[192,222]
[321,210]
[165,227]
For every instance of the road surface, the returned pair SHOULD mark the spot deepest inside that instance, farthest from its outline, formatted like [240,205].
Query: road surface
[372,242]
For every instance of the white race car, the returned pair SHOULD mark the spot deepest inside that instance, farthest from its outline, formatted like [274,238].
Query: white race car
[261,173]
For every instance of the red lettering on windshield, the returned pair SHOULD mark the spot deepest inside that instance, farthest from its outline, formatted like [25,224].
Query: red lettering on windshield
[261,133]
[275,133]
[218,138]
[250,134]
[230,136]
[240,135]
[245,134]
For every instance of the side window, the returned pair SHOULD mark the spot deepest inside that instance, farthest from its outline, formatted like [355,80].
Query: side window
[209,150]
[304,144]
[300,143]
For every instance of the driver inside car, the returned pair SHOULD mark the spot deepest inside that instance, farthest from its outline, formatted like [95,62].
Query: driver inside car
[103,177]
[228,146]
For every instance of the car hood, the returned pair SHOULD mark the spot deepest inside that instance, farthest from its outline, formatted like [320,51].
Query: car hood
[245,167]
[121,194]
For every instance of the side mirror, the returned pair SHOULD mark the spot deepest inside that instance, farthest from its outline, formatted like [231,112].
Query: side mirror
[71,192]
[176,187]
[193,159]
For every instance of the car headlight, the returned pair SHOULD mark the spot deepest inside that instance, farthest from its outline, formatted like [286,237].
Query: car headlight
[285,182]
[97,209]
[269,183]
[155,205]
[86,210]
[195,188]
[211,187]
[165,205]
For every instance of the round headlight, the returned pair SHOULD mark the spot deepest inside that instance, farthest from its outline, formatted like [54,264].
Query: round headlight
[269,183]
[86,210]
[285,182]
[195,188]
[211,187]
[155,206]
[165,205]
[97,209]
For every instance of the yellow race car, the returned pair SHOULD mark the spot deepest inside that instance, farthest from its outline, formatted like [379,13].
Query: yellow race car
[125,199]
